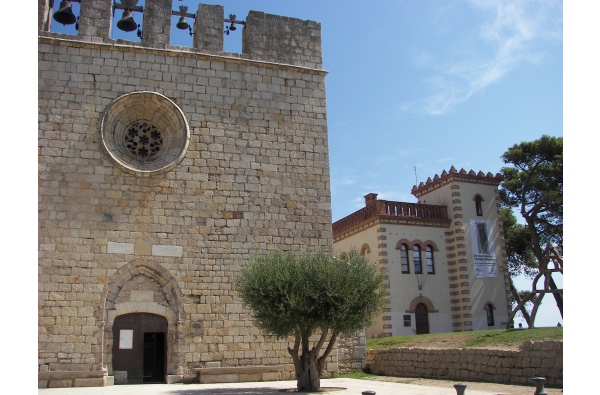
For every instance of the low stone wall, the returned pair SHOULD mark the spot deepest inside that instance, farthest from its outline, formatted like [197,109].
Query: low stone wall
[52,379]
[534,359]
[238,374]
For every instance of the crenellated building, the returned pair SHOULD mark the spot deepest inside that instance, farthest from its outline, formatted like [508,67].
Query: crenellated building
[162,169]
[443,258]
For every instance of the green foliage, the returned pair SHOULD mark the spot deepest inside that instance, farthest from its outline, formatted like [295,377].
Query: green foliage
[533,184]
[291,294]
[494,338]
[519,257]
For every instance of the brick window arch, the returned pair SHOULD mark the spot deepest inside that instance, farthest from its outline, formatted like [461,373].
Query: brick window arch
[421,299]
[431,244]
[365,249]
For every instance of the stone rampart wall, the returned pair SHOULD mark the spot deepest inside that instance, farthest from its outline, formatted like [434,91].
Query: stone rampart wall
[534,359]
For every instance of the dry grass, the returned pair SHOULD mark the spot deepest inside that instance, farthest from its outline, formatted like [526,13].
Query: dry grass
[510,339]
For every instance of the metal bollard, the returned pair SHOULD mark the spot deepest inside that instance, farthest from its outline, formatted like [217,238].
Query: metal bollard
[368,392]
[460,388]
[539,386]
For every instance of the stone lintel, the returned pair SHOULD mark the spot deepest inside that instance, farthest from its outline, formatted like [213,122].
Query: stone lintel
[119,248]
[163,250]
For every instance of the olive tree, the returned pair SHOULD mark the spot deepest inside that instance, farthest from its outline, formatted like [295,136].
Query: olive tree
[311,294]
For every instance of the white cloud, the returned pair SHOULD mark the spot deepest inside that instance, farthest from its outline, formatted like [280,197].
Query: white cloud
[341,182]
[345,181]
[397,156]
[509,35]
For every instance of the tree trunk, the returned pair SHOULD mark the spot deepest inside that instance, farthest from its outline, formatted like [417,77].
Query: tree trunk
[557,296]
[309,379]
[542,257]
[308,365]
[521,305]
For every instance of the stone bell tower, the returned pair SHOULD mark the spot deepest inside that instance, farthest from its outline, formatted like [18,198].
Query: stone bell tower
[162,169]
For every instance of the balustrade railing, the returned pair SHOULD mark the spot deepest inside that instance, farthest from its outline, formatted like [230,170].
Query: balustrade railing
[395,209]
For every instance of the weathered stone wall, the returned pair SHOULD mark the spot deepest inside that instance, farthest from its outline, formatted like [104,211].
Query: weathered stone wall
[535,359]
[352,353]
[254,177]
[286,40]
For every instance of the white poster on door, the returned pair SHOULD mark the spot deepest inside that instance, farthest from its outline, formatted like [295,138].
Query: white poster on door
[126,339]
[484,251]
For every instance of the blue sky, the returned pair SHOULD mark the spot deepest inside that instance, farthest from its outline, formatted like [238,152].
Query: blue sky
[415,87]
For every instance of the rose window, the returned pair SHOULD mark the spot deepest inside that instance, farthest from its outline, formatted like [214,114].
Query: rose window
[145,132]
[143,140]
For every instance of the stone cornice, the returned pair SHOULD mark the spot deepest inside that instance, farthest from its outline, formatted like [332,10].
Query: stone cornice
[172,50]
[389,220]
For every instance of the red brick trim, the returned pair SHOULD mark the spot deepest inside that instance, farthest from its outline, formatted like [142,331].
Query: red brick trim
[365,249]
[425,301]
[404,241]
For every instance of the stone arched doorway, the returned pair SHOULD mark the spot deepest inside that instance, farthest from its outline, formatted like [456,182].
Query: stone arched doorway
[142,291]
[139,352]
[421,306]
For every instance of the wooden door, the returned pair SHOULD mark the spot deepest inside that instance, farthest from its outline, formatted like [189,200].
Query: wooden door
[139,347]
[422,319]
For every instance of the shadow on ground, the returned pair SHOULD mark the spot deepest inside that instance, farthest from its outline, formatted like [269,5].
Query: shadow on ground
[250,391]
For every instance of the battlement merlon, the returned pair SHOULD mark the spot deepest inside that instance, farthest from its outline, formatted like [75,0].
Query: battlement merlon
[455,175]
[265,37]
[283,40]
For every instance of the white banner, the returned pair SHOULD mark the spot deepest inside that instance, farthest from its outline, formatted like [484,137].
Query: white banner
[484,251]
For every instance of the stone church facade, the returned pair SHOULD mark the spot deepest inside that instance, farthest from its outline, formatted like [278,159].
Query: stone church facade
[162,169]
[444,257]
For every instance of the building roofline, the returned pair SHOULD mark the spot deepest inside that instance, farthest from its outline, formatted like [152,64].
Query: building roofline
[385,211]
[455,175]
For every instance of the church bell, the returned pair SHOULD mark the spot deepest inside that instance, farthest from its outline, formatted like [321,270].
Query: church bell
[182,24]
[65,14]
[127,24]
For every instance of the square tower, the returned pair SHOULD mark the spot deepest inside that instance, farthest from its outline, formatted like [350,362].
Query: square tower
[161,171]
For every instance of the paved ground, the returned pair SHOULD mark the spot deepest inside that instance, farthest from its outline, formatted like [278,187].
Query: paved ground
[342,386]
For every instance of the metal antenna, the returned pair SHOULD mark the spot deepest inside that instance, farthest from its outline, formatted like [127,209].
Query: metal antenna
[416,181]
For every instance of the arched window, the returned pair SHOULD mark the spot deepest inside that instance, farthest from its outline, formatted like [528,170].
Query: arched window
[404,258]
[429,259]
[489,310]
[365,249]
[478,207]
[417,259]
